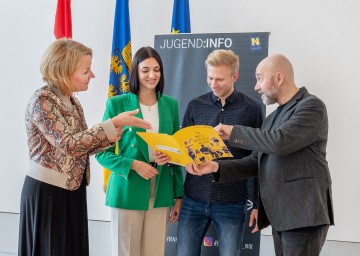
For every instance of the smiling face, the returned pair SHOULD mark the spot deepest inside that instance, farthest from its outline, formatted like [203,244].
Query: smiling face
[149,74]
[83,74]
[221,80]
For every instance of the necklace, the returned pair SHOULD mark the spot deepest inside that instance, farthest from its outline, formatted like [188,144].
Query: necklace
[148,106]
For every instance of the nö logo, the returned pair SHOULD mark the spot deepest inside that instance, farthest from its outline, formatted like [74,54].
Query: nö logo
[255,44]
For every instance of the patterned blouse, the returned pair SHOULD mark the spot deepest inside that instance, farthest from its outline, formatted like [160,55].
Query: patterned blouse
[58,139]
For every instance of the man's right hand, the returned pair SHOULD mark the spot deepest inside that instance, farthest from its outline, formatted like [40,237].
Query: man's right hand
[224,130]
[205,168]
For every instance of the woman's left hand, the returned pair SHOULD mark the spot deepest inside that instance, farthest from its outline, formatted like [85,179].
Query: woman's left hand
[119,131]
[161,158]
[174,215]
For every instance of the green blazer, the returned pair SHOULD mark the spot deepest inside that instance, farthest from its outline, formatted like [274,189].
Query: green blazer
[126,189]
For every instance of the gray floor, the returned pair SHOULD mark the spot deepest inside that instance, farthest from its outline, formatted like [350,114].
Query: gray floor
[100,243]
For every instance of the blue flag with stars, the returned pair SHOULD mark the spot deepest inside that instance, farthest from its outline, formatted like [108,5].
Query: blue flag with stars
[181,17]
[121,50]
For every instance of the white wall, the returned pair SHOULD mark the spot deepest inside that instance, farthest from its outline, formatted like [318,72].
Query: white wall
[319,37]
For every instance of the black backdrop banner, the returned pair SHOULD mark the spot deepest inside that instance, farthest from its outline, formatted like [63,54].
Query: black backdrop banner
[183,57]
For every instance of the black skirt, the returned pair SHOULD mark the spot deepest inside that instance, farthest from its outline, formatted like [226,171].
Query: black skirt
[53,221]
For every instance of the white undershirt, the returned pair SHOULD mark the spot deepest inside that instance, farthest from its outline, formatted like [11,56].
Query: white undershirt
[151,114]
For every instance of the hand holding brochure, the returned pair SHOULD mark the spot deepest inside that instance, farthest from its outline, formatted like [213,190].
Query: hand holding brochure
[198,143]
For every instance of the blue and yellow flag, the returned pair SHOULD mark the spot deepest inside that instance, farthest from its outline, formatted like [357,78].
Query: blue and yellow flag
[181,17]
[120,58]
[121,50]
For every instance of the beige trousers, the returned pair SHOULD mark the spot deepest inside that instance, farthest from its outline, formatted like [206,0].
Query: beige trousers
[139,233]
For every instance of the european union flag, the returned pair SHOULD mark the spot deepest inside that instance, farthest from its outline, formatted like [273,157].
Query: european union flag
[181,17]
[120,59]
[121,50]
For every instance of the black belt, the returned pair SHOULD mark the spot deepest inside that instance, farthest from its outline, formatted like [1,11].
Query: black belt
[168,164]
[153,164]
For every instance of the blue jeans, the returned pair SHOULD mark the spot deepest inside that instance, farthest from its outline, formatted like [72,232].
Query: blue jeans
[195,218]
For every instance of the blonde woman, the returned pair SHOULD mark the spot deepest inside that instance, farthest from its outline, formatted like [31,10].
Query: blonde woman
[53,211]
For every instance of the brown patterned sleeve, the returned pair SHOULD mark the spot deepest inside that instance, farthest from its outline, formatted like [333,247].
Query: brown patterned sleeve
[63,129]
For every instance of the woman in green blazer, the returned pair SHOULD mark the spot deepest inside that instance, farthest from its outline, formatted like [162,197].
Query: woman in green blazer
[140,192]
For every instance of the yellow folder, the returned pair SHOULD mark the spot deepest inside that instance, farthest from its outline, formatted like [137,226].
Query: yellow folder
[198,143]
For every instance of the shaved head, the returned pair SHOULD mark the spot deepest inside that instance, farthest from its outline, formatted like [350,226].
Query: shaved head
[275,79]
[279,63]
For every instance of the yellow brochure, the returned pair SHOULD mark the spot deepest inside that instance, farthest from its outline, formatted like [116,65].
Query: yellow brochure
[197,143]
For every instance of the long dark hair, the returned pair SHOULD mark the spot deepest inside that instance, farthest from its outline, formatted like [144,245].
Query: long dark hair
[142,54]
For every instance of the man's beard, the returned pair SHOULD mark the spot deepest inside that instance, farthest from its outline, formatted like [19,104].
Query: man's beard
[270,96]
[268,100]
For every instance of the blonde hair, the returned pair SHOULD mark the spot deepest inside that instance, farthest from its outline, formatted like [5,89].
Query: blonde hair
[223,57]
[60,61]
